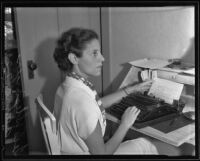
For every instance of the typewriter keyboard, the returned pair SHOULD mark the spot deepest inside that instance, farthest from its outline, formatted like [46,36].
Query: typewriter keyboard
[152,110]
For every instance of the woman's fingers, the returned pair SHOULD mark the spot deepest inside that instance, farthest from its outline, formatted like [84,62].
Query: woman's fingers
[133,108]
[135,111]
[130,116]
[138,111]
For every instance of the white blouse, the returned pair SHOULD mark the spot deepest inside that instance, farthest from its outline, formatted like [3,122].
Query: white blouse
[77,113]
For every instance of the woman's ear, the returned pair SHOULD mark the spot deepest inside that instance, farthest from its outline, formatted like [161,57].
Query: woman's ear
[73,58]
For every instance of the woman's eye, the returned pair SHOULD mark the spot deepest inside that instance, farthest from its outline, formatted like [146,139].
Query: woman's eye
[95,53]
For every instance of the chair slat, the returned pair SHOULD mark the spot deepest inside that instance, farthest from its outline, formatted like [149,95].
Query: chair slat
[49,128]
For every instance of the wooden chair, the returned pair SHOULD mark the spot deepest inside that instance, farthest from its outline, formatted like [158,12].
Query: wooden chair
[48,124]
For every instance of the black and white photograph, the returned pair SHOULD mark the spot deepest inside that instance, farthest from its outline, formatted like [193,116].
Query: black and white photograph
[100,81]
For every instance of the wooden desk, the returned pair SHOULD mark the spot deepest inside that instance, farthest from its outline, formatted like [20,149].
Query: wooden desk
[175,138]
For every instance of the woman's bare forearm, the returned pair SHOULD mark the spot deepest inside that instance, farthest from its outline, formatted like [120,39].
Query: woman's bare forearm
[113,143]
[110,99]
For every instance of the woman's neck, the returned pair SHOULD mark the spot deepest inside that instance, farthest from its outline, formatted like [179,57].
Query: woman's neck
[77,71]
[79,77]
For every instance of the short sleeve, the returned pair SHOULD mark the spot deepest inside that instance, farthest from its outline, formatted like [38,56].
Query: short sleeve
[87,114]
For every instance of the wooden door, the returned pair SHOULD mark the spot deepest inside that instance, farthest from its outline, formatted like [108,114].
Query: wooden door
[37,30]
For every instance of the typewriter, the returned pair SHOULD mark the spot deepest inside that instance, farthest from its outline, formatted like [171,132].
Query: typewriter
[152,110]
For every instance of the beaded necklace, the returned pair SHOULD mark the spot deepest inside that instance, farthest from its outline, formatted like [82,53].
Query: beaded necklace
[87,83]
[84,80]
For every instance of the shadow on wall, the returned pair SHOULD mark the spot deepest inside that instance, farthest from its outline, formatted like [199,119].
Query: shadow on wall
[189,56]
[47,69]
[48,79]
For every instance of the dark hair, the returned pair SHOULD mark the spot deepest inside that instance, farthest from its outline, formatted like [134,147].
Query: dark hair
[72,41]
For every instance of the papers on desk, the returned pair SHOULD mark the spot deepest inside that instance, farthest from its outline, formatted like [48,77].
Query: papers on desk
[166,90]
[150,63]
[190,71]
[172,124]
[176,137]
[148,75]
[164,65]
[181,68]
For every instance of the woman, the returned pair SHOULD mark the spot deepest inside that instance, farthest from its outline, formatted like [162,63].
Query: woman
[79,112]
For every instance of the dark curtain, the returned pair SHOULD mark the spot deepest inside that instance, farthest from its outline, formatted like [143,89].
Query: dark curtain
[15,112]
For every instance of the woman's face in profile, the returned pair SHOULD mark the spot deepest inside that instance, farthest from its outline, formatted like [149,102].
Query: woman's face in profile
[90,64]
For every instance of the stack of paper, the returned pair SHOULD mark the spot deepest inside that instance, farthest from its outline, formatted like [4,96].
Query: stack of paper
[190,71]
[150,63]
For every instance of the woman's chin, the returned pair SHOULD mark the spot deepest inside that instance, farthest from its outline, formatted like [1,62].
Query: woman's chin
[98,73]
[95,73]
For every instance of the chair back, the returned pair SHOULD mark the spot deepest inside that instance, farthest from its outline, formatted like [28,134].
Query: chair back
[48,124]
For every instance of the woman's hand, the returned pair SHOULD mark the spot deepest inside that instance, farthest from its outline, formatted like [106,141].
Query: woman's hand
[129,116]
[140,87]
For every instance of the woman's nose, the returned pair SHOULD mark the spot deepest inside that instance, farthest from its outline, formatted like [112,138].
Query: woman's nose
[102,58]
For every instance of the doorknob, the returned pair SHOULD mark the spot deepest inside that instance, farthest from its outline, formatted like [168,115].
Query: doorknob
[31,67]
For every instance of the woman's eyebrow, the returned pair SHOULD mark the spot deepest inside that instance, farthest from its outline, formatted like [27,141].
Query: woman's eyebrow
[97,50]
